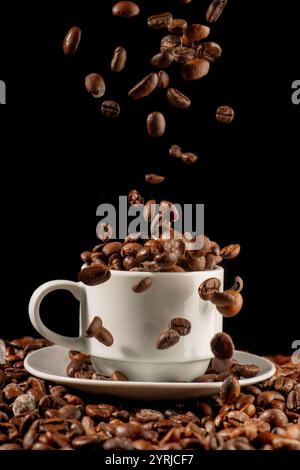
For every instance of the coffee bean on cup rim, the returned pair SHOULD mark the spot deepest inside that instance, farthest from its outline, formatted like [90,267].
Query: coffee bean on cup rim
[225,114]
[159,21]
[143,88]
[110,109]
[152,178]
[94,275]
[156,124]
[95,85]
[119,59]
[178,99]
[71,41]
[215,9]
[195,69]
[125,9]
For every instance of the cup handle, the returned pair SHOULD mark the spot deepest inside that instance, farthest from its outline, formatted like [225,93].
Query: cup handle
[79,293]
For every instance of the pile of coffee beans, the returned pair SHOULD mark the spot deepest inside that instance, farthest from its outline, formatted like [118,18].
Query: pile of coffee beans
[37,415]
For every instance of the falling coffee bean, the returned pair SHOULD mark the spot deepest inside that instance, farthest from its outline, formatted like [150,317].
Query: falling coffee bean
[104,336]
[189,158]
[175,151]
[196,264]
[119,376]
[72,41]
[178,99]
[215,10]
[119,60]
[144,87]
[185,2]
[134,197]
[94,327]
[156,124]
[167,339]
[152,178]
[94,275]
[177,26]
[195,69]
[181,325]
[162,60]
[228,303]
[209,51]
[183,54]
[163,79]
[225,114]
[238,284]
[230,251]
[194,33]
[110,109]
[208,288]
[230,390]
[95,85]
[222,346]
[168,43]
[159,21]
[125,9]
[143,285]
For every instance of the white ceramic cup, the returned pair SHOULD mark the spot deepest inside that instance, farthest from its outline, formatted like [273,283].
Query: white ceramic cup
[136,320]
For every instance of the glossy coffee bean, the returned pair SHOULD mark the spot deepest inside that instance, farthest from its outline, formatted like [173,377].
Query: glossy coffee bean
[196,264]
[142,285]
[230,390]
[195,69]
[209,287]
[111,248]
[94,275]
[229,303]
[166,260]
[225,114]
[162,60]
[169,42]
[119,376]
[159,21]
[152,178]
[222,346]
[167,339]
[119,60]
[144,87]
[110,109]
[94,327]
[194,33]
[221,365]
[178,99]
[177,26]
[163,79]
[189,158]
[183,54]
[95,85]
[185,2]
[104,336]
[129,262]
[125,9]
[215,10]
[156,124]
[175,151]
[209,51]
[134,197]
[238,284]
[131,249]
[181,325]
[72,41]
[230,251]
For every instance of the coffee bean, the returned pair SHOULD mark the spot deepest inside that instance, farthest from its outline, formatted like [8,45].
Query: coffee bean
[195,69]
[112,248]
[125,9]
[72,41]
[177,26]
[221,366]
[104,336]
[246,370]
[225,114]
[129,262]
[206,378]
[175,151]
[178,99]
[162,60]
[185,2]
[181,325]
[229,303]
[94,275]
[95,85]
[24,403]
[183,54]
[115,262]
[142,285]
[110,109]
[196,264]
[189,158]
[222,346]
[230,251]
[238,284]
[215,10]
[209,51]
[134,197]
[131,249]
[163,79]
[194,33]
[119,376]
[159,21]
[167,339]
[119,60]
[156,124]
[208,288]
[94,327]
[152,178]
[230,390]
[169,42]
[166,260]
[144,87]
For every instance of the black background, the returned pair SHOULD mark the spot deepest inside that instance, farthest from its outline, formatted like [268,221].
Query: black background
[61,158]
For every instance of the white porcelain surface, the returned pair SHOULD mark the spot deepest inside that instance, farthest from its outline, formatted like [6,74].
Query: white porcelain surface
[136,320]
[50,364]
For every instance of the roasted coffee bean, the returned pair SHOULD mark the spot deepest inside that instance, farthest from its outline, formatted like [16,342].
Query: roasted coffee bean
[275,418]
[159,21]
[225,114]
[284,384]
[94,327]
[3,379]
[185,2]
[151,266]
[134,197]
[222,346]
[175,151]
[23,404]
[208,288]
[163,79]
[168,43]
[146,415]
[104,336]
[112,248]
[167,339]
[75,366]
[196,264]
[105,233]
[230,251]
[110,109]
[194,33]
[125,9]
[178,99]
[129,262]
[119,60]
[162,60]
[177,26]
[181,325]
[119,376]
[189,158]
[238,284]
[195,69]
[174,246]
[86,256]
[121,443]
[144,87]
[209,51]
[152,178]
[166,260]
[131,249]
[72,41]
[266,398]
[156,124]
[215,10]
[115,262]
[229,303]
[183,54]
[142,285]
[94,275]
[221,365]
[206,378]
[95,85]
[230,390]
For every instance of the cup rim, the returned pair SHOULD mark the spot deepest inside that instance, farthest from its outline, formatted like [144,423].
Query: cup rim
[161,274]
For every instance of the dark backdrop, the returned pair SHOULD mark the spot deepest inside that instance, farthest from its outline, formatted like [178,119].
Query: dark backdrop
[61,158]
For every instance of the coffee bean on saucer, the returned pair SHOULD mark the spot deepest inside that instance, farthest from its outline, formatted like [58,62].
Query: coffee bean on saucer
[194,33]
[94,327]
[208,288]
[119,60]
[94,275]
[125,9]
[189,158]
[167,339]
[95,85]
[119,376]
[152,178]
[245,370]
[221,365]
[230,390]
[162,60]
[175,151]
[209,51]
[163,79]
[195,69]
[142,285]
[169,42]
[206,378]
[178,99]
[159,21]
[222,346]
[183,54]
[110,109]
[215,9]
[177,26]
[143,88]
[225,114]
[72,41]
[156,124]
[181,325]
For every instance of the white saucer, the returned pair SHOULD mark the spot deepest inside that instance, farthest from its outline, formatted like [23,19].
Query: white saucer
[50,364]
